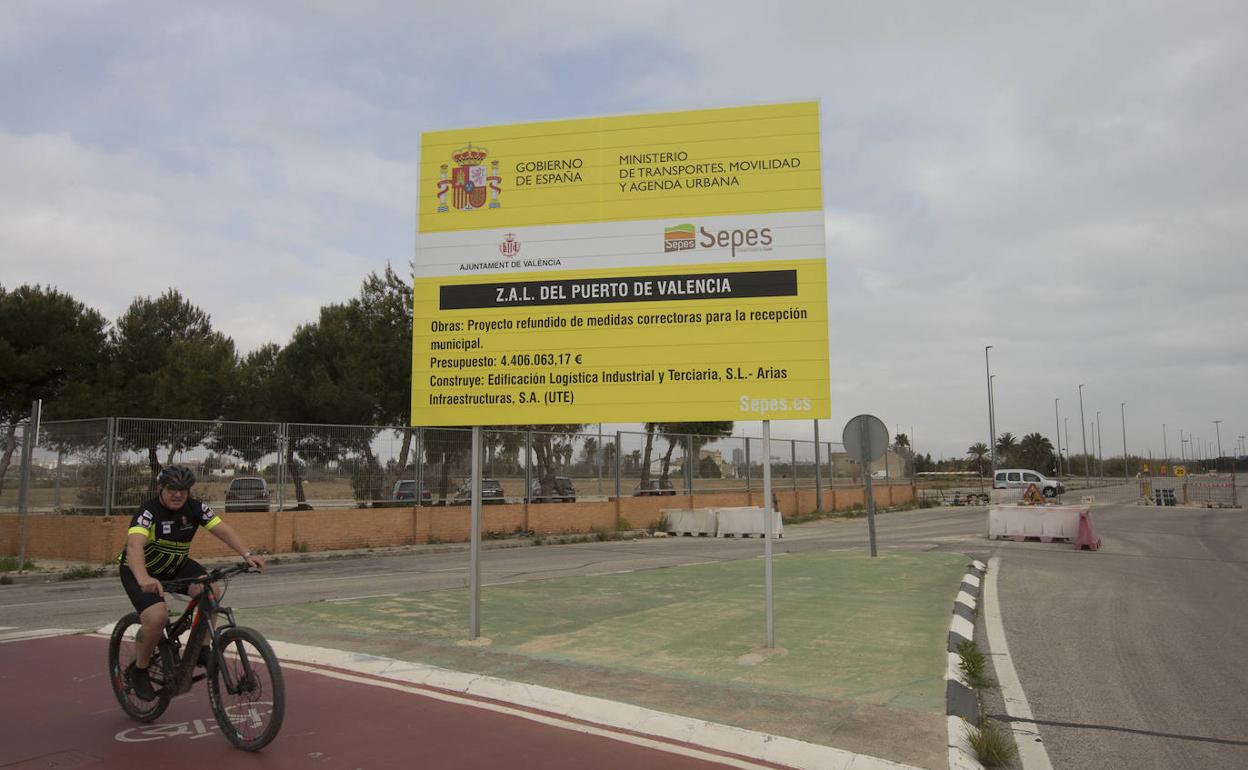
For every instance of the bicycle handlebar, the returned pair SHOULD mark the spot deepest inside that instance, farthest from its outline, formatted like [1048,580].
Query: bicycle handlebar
[215,574]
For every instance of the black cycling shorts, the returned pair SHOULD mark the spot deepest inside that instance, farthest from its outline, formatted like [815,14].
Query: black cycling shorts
[142,599]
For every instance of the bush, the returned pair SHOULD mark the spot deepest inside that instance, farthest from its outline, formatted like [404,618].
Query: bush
[9,564]
[974,665]
[993,744]
[82,572]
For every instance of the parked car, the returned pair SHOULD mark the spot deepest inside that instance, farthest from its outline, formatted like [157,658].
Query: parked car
[563,491]
[1020,478]
[654,487]
[405,489]
[247,493]
[491,492]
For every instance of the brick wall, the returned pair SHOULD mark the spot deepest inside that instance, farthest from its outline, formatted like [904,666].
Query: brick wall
[97,539]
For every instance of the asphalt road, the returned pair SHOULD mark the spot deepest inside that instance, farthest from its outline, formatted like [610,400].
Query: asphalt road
[89,604]
[1133,656]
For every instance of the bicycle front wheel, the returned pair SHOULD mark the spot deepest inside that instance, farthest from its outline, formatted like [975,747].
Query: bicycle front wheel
[245,688]
[122,647]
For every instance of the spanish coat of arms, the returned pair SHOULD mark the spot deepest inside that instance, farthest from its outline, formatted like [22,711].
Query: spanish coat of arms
[468,184]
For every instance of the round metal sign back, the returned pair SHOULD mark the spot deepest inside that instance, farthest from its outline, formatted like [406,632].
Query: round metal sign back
[865,438]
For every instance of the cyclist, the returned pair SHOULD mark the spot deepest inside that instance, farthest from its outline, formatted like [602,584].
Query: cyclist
[158,545]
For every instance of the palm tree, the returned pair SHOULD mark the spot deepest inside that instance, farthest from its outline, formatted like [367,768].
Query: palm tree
[1007,446]
[1036,451]
[901,444]
[977,452]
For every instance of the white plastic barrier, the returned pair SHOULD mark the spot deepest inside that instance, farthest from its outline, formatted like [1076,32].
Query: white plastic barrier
[746,521]
[1047,522]
[683,521]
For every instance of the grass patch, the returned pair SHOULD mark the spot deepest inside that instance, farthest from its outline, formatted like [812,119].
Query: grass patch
[82,572]
[9,564]
[993,744]
[974,665]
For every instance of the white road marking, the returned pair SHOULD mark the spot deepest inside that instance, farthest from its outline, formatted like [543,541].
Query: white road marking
[357,598]
[37,633]
[1031,751]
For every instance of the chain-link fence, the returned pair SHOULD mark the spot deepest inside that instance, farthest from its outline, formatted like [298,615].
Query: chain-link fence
[98,466]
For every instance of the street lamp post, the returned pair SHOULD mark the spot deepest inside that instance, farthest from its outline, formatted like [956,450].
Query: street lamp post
[992,416]
[1057,427]
[1165,449]
[992,429]
[1100,445]
[1217,425]
[1083,428]
[1123,410]
[1066,423]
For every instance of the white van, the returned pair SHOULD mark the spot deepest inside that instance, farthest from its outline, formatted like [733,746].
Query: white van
[1020,478]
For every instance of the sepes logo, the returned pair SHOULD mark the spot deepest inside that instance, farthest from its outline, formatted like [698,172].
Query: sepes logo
[678,238]
[686,236]
[469,184]
[510,247]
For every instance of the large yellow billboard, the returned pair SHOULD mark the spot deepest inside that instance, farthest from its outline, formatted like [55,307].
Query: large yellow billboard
[660,267]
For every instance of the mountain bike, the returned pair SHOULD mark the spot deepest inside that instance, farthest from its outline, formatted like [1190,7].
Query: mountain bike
[244,679]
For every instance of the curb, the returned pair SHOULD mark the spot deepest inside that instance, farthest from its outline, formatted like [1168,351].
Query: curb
[961,704]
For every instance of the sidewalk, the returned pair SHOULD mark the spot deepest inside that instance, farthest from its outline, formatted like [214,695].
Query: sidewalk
[859,663]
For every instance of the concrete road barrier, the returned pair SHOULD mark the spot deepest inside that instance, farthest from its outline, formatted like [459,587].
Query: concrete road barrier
[746,521]
[1046,523]
[684,521]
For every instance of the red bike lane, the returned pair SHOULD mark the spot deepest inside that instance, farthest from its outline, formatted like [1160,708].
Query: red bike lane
[57,710]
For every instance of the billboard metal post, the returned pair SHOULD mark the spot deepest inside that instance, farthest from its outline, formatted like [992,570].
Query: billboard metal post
[474,567]
[818,473]
[767,530]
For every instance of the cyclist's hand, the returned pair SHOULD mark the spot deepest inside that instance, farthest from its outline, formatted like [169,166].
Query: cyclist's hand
[151,585]
[255,562]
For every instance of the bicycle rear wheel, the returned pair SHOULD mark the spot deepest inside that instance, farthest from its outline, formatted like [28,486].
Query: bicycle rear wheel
[245,688]
[122,646]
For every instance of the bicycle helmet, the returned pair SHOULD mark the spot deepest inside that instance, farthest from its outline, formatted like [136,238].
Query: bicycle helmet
[176,477]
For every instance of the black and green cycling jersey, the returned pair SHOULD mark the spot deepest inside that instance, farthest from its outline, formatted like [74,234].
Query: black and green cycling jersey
[169,533]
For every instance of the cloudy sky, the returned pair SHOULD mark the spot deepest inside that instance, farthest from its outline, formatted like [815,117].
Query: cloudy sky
[1067,182]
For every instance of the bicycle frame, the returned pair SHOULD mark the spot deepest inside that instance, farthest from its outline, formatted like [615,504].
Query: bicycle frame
[199,618]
